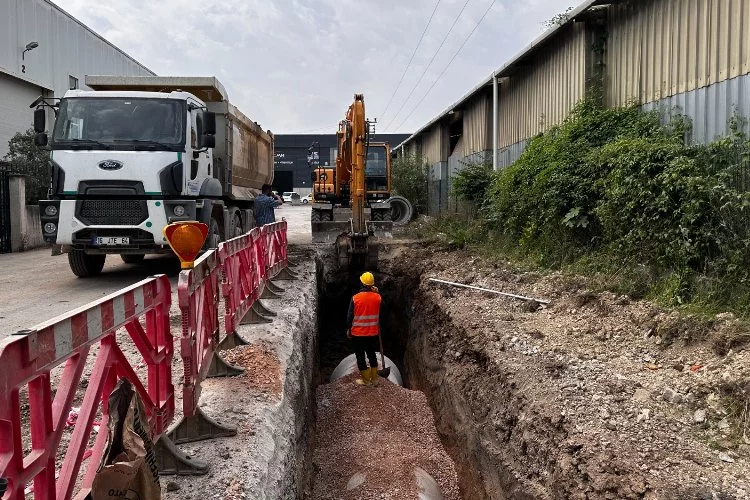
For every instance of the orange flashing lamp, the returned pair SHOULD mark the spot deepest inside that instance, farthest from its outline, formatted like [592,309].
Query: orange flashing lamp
[186,240]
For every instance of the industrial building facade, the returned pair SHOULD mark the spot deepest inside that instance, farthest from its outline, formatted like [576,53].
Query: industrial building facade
[45,51]
[686,56]
[291,169]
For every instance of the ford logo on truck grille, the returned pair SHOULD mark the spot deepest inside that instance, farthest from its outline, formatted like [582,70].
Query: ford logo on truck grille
[110,164]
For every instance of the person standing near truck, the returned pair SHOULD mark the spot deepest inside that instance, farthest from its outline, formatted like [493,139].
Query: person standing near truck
[363,328]
[264,206]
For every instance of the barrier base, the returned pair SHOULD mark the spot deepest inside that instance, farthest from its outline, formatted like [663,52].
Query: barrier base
[285,275]
[269,294]
[254,318]
[274,287]
[172,461]
[230,341]
[263,310]
[198,428]
[220,368]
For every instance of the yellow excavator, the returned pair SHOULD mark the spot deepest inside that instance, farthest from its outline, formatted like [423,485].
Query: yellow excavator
[353,207]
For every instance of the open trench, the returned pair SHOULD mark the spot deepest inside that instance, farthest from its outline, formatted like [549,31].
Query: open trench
[410,325]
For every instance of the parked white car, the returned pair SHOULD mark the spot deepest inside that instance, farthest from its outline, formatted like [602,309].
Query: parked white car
[288,195]
[307,199]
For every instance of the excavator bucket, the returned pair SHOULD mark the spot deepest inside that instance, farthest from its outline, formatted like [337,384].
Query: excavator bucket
[325,230]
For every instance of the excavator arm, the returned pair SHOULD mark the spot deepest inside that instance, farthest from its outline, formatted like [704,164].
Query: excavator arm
[354,213]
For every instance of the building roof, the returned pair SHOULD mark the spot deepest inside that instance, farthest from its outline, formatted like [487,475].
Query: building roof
[507,68]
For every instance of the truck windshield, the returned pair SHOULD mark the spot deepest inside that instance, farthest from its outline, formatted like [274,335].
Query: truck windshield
[120,123]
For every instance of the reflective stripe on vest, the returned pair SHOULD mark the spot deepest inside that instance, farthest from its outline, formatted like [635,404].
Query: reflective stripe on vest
[366,314]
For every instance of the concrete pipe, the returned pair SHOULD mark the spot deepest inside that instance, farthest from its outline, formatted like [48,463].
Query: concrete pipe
[427,487]
[349,365]
[402,210]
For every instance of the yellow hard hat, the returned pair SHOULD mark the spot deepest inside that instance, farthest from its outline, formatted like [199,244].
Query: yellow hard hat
[367,279]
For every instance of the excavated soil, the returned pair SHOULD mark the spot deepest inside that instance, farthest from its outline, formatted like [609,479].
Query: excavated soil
[593,396]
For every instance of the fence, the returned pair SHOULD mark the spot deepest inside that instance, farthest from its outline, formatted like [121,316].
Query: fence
[5,234]
[27,361]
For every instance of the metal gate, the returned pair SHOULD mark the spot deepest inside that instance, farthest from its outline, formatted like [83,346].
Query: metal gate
[4,207]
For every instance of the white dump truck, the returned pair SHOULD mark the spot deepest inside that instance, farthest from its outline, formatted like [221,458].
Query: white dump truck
[137,153]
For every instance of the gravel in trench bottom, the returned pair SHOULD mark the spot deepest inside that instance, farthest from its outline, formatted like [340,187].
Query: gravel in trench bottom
[380,433]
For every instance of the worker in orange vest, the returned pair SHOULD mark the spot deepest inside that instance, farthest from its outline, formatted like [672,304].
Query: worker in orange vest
[364,327]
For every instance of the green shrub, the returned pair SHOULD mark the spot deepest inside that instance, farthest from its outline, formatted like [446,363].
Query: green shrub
[409,179]
[471,182]
[33,162]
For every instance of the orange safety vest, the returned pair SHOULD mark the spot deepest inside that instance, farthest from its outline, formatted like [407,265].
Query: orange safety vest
[366,314]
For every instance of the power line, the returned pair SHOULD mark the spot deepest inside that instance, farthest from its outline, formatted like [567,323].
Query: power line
[449,64]
[387,106]
[428,65]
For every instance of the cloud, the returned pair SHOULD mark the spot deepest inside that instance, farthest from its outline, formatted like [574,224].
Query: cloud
[294,65]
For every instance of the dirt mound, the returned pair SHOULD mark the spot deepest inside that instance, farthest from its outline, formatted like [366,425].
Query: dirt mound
[372,438]
[595,396]
[261,365]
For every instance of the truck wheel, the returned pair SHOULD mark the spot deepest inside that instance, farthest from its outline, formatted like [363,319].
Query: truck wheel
[214,235]
[85,266]
[315,215]
[236,226]
[132,258]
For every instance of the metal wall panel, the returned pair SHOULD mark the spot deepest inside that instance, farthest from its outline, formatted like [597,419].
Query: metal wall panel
[477,121]
[709,108]
[661,48]
[66,47]
[15,115]
[542,94]
[435,144]
[506,156]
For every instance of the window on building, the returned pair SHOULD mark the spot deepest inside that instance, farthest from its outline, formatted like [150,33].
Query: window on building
[72,82]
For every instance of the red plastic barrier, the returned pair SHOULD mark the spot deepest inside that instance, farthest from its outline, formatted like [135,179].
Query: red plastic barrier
[27,359]
[243,275]
[198,297]
[276,258]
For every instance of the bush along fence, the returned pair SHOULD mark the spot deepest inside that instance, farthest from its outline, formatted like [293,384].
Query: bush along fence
[42,369]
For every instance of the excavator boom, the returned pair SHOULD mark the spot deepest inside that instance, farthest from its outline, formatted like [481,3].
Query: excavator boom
[352,208]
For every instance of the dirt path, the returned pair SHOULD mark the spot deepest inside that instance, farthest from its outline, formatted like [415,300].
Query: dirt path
[595,396]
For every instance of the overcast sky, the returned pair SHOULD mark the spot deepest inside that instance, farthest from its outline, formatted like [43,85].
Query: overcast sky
[294,65]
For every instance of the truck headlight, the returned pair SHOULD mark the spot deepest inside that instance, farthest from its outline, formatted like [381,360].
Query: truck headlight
[50,227]
[178,210]
[50,210]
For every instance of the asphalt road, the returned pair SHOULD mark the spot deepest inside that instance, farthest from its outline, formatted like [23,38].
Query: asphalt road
[35,286]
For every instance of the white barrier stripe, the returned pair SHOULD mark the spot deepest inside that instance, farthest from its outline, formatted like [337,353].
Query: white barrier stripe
[94,322]
[63,338]
[118,305]
[138,300]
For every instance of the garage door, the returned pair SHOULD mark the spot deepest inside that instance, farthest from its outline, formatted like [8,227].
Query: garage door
[15,115]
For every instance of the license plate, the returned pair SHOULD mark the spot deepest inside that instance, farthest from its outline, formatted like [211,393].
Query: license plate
[111,240]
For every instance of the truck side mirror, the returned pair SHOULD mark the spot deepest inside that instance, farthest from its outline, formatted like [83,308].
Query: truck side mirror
[209,123]
[209,141]
[40,139]
[40,120]
[313,176]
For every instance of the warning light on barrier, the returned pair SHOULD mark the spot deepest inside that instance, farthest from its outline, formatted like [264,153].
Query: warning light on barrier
[186,240]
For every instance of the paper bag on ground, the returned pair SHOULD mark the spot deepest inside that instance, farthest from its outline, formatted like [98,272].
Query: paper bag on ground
[128,469]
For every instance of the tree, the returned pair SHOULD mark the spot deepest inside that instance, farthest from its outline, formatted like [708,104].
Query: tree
[409,179]
[32,161]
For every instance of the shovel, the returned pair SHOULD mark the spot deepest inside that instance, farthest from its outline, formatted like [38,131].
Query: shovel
[386,370]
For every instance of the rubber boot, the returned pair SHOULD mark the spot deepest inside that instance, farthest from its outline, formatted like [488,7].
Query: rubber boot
[374,376]
[364,379]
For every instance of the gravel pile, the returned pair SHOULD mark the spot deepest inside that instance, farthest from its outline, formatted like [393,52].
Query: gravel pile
[370,439]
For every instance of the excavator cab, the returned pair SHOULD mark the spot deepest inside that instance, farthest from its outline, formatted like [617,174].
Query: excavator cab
[351,206]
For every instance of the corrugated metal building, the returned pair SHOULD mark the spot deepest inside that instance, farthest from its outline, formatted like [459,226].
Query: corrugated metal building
[690,56]
[66,52]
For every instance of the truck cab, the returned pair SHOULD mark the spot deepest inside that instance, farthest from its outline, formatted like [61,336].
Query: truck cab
[126,163]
